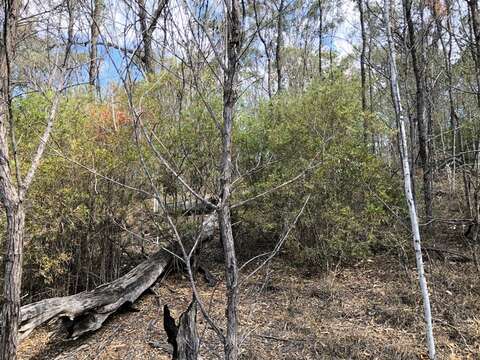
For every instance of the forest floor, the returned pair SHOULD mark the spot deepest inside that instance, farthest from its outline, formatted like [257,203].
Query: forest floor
[372,310]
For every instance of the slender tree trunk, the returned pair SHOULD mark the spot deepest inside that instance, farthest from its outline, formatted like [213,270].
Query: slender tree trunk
[457,138]
[320,37]
[418,61]
[407,183]
[370,80]
[363,74]
[278,53]
[474,20]
[233,45]
[94,33]
[146,40]
[475,28]
[266,48]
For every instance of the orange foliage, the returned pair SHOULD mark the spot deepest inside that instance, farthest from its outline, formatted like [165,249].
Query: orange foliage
[437,7]
[105,120]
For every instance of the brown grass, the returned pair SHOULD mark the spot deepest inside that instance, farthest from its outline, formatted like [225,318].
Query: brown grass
[370,311]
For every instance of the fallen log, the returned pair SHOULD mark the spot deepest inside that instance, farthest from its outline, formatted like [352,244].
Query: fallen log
[87,311]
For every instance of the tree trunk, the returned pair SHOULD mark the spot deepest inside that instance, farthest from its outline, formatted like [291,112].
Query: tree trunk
[88,310]
[233,48]
[278,52]
[407,183]
[418,60]
[9,193]
[187,339]
[320,37]
[146,39]
[266,48]
[363,74]
[94,33]
[147,30]
[13,280]
[475,49]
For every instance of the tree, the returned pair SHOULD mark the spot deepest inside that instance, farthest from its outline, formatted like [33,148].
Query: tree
[320,36]
[418,58]
[94,34]
[146,31]
[233,43]
[279,47]
[13,186]
[363,75]
[397,104]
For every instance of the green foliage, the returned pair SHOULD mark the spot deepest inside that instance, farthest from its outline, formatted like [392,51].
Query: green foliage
[321,129]
[74,217]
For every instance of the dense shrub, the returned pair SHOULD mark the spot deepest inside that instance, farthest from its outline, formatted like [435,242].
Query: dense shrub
[81,227]
[353,194]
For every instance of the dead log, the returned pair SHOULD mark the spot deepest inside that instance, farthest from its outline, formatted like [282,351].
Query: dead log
[87,311]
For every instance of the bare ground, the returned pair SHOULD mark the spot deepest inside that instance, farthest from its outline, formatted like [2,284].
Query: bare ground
[361,312]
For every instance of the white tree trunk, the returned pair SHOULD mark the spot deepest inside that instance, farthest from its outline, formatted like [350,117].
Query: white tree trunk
[408,185]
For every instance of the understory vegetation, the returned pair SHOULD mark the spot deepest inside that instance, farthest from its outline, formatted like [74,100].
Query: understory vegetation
[83,227]
[294,179]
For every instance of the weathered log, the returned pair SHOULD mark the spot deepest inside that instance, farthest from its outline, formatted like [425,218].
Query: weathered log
[87,311]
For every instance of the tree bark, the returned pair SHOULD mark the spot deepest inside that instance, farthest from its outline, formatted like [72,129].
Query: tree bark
[363,74]
[397,104]
[187,339]
[278,52]
[94,33]
[418,60]
[233,48]
[147,29]
[9,193]
[320,37]
[13,279]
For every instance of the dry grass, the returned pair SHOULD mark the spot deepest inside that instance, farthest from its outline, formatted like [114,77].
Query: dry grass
[370,311]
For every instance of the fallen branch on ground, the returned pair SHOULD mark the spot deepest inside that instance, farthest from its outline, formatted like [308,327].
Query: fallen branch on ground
[87,311]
